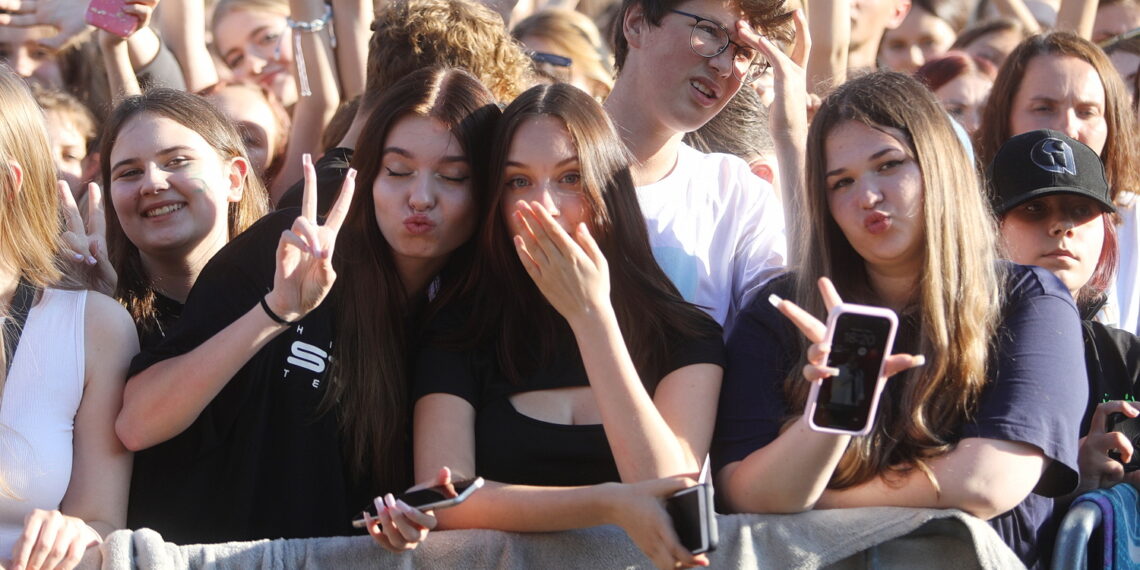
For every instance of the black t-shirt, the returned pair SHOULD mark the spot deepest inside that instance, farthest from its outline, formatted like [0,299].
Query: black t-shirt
[332,169]
[1036,391]
[167,311]
[1112,359]
[511,447]
[259,462]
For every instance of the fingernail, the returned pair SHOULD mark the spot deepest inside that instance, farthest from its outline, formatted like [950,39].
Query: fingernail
[79,257]
[92,260]
[306,159]
[351,174]
[829,370]
[404,507]
[775,300]
[378,502]
[920,360]
[390,500]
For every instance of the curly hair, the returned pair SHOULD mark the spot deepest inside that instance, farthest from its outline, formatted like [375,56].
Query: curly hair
[414,34]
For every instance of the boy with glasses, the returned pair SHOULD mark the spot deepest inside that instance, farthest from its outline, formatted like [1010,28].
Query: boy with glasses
[716,229]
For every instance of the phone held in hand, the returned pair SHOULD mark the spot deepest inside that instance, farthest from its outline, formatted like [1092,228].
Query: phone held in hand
[437,497]
[1130,427]
[861,338]
[108,15]
[694,518]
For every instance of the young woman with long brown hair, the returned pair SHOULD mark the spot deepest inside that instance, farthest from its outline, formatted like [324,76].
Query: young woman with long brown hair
[63,473]
[278,412]
[580,378]
[989,423]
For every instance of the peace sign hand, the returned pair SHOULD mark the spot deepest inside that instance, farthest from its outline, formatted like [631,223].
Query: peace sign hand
[816,367]
[305,272]
[88,242]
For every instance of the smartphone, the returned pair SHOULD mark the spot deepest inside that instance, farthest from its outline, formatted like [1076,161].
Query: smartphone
[861,337]
[693,517]
[437,497]
[108,15]
[1130,427]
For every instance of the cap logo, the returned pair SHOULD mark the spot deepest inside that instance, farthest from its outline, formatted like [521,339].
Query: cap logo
[1054,155]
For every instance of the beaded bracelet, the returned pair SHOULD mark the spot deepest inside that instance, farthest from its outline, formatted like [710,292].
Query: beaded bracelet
[313,26]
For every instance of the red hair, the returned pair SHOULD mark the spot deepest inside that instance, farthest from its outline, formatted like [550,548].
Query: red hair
[951,65]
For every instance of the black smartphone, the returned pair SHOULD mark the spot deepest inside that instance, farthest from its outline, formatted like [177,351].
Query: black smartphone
[1130,427]
[693,517]
[438,497]
[861,337]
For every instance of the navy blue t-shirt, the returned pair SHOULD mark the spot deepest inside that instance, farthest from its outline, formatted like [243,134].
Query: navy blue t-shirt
[1036,393]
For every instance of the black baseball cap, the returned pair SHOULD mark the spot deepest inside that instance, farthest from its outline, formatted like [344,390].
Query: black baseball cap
[1045,162]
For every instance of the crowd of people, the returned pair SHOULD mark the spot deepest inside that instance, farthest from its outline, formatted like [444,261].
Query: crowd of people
[266,262]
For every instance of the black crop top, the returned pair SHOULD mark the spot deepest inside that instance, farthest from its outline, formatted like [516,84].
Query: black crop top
[511,447]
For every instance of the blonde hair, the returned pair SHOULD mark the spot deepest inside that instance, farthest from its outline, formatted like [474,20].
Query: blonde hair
[958,302]
[577,38]
[29,202]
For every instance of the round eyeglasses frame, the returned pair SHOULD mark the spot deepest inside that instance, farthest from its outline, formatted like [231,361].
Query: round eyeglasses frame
[757,66]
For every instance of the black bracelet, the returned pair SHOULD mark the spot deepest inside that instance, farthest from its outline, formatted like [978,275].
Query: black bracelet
[277,319]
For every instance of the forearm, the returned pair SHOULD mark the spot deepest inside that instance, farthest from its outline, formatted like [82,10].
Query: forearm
[522,508]
[830,25]
[975,477]
[351,21]
[120,76]
[314,111]
[143,46]
[786,476]
[183,27]
[1017,10]
[643,444]
[163,400]
[1077,16]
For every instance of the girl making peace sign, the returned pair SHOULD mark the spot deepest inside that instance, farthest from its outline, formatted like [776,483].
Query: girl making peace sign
[276,413]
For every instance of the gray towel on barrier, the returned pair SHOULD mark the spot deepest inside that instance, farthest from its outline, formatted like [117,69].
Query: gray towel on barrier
[880,537]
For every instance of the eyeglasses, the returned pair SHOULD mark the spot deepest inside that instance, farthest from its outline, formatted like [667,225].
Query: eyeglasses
[552,59]
[710,39]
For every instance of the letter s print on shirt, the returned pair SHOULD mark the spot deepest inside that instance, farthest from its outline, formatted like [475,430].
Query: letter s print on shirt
[307,356]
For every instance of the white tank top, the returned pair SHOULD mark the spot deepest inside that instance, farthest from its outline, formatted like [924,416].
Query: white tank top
[37,411]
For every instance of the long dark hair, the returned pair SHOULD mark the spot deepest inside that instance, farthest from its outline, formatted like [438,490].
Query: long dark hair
[510,311]
[369,370]
[134,288]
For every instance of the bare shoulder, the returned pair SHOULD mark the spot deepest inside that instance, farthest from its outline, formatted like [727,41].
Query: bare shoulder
[109,332]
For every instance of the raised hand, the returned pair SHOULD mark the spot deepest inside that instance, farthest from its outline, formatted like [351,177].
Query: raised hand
[570,271]
[66,16]
[52,540]
[816,367]
[88,242]
[398,526]
[305,272]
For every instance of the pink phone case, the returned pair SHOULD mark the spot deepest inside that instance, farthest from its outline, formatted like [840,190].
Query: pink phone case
[108,15]
[813,395]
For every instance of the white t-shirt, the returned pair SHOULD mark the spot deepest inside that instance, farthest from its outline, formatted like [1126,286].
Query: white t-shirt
[717,230]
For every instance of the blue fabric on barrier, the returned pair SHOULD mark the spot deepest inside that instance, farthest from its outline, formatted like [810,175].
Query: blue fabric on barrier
[1120,515]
